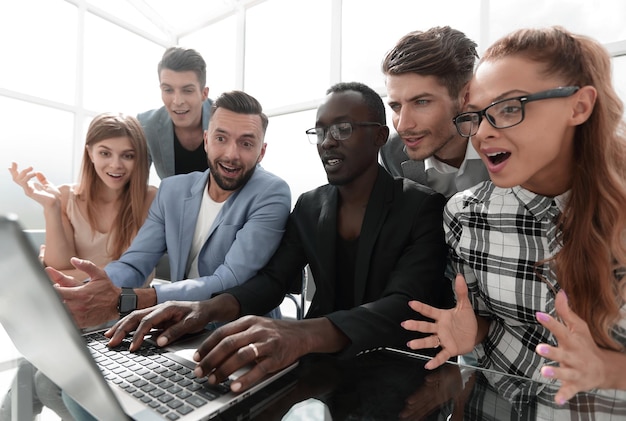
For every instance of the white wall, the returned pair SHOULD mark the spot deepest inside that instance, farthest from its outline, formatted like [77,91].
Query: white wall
[66,60]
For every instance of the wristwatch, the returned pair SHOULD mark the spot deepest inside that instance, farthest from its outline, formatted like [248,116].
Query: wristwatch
[127,302]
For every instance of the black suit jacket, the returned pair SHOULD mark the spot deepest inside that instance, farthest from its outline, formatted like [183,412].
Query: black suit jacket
[401,256]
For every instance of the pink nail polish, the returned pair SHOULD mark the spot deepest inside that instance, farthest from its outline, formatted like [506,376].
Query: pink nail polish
[543,349]
[542,317]
[547,372]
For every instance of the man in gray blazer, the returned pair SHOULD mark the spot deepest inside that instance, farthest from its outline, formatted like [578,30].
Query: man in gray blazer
[175,131]
[218,227]
[426,75]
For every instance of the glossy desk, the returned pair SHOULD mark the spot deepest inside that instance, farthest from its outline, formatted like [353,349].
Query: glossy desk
[385,385]
[391,385]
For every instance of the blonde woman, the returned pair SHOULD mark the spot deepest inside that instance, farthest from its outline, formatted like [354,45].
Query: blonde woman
[96,218]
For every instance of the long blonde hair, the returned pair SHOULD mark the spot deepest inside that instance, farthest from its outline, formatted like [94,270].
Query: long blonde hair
[592,259]
[133,208]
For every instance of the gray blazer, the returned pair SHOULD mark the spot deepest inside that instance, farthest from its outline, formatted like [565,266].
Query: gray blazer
[159,130]
[397,162]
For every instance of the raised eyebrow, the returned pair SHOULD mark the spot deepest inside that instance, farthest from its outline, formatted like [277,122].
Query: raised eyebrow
[336,120]
[248,136]
[424,95]
[190,85]
[514,93]
[219,130]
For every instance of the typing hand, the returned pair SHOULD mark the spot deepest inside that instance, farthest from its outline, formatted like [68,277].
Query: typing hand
[269,344]
[174,318]
[581,361]
[453,330]
[42,191]
[91,303]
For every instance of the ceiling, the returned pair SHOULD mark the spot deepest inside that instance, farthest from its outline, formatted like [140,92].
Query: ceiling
[168,20]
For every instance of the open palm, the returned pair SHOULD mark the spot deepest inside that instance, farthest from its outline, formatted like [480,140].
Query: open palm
[454,330]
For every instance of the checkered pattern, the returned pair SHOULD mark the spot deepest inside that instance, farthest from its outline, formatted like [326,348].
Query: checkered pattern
[487,403]
[496,236]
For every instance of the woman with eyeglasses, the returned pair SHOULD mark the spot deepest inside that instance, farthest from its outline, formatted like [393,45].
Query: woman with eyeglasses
[540,249]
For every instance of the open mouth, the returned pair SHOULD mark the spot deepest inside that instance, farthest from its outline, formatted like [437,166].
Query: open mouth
[498,158]
[228,169]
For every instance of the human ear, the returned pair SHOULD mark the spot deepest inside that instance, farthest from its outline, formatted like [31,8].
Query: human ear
[463,97]
[383,135]
[262,154]
[584,101]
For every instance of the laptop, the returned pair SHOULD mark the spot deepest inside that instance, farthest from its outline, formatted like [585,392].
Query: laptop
[44,332]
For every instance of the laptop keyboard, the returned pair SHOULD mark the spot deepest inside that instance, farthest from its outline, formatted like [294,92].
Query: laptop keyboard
[163,381]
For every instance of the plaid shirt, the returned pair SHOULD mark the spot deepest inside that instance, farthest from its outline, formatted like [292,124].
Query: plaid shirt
[496,237]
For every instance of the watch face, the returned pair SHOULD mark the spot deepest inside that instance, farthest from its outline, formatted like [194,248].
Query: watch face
[128,303]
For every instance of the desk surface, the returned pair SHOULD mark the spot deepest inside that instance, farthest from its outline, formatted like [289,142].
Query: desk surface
[384,385]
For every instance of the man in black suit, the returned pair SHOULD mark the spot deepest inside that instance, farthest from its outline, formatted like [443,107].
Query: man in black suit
[372,243]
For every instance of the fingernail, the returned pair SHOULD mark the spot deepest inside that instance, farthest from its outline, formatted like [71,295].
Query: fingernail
[542,317]
[561,401]
[198,372]
[547,372]
[235,387]
[543,349]
[212,379]
[162,341]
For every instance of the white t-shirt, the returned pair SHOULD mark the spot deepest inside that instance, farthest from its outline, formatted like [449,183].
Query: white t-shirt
[206,216]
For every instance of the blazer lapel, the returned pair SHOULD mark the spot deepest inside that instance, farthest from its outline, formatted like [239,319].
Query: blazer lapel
[375,214]
[326,244]
[414,170]
[166,143]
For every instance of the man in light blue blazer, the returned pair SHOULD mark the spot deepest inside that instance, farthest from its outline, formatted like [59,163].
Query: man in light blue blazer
[218,227]
[175,131]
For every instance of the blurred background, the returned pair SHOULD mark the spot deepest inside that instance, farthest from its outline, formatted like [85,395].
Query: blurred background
[66,60]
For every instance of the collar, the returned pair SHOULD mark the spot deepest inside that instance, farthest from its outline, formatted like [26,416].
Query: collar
[540,206]
[443,168]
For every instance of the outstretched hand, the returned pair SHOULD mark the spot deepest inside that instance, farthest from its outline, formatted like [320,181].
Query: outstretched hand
[581,361]
[454,330]
[91,303]
[42,191]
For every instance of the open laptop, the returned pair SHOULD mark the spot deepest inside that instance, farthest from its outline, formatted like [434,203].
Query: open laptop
[44,332]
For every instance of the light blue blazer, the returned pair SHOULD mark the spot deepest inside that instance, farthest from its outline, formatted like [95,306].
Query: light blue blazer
[159,130]
[243,237]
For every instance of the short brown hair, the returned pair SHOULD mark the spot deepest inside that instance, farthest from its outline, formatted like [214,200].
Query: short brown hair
[182,60]
[442,52]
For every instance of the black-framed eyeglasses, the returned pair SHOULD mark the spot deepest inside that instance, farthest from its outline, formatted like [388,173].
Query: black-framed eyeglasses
[507,112]
[339,131]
